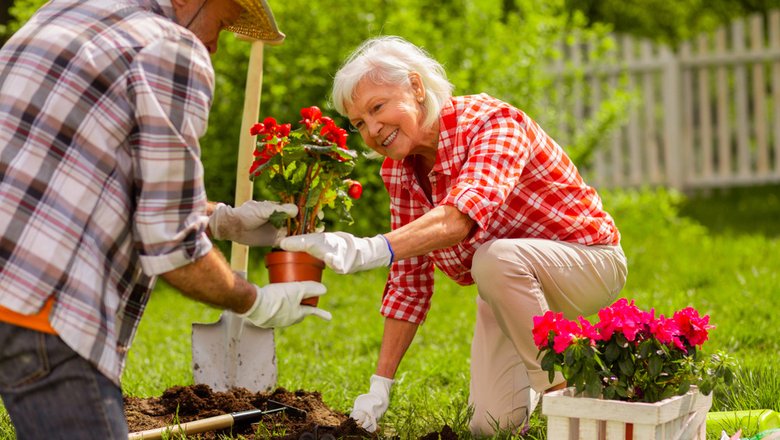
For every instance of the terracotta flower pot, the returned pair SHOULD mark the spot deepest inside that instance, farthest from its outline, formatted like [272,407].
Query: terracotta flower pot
[284,266]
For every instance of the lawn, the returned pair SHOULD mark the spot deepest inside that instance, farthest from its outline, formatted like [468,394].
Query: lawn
[718,252]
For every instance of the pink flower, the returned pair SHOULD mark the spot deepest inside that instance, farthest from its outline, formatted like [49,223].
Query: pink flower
[622,316]
[692,327]
[664,329]
[566,332]
[543,325]
[588,330]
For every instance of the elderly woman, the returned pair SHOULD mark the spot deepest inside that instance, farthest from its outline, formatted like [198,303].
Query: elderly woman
[480,191]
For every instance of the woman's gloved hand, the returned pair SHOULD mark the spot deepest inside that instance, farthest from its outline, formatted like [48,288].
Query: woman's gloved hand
[370,407]
[342,252]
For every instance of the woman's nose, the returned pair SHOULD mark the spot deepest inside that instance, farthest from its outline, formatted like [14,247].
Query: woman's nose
[373,127]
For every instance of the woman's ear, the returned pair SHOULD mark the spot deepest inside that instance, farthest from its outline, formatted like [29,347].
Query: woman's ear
[418,88]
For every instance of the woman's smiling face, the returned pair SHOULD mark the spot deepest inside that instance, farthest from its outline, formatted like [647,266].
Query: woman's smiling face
[389,118]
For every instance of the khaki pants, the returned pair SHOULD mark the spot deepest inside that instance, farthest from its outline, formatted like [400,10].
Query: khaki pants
[518,279]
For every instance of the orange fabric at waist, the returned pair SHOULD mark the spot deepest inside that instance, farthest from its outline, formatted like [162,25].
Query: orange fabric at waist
[38,321]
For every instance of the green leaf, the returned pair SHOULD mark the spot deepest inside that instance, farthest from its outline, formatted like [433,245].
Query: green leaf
[626,367]
[278,219]
[612,352]
[548,361]
[684,387]
[645,349]
[313,197]
[654,366]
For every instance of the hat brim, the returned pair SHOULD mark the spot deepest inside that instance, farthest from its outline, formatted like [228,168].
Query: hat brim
[257,22]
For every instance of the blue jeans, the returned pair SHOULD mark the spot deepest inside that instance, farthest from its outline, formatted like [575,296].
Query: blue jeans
[50,392]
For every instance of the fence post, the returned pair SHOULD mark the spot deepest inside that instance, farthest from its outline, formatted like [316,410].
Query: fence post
[672,103]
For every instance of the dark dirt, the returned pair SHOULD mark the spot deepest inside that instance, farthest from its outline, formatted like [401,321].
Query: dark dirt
[196,402]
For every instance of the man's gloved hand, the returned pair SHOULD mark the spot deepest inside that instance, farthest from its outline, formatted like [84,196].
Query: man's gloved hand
[369,408]
[279,304]
[342,252]
[248,224]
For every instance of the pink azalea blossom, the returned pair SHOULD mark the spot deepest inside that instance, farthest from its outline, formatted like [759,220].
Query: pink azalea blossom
[694,328]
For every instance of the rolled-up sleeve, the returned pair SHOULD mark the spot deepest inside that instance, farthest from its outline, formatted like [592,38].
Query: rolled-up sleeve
[171,89]
[499,151]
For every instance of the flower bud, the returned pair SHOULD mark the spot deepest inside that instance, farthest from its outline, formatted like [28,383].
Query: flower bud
[355,189]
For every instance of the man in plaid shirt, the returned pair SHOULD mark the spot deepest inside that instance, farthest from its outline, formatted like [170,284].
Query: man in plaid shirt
[101,107]
[480,191]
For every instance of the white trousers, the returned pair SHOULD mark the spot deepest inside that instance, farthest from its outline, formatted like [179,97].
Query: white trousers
[518,279]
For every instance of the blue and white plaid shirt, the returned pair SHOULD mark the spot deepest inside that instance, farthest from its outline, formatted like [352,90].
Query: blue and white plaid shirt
[101,184]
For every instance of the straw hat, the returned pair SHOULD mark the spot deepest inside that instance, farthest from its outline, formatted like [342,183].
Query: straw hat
[257,22]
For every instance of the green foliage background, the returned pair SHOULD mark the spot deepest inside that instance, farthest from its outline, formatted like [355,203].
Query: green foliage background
[500,47]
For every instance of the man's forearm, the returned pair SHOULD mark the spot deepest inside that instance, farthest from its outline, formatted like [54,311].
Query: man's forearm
[210,280]
[398,335]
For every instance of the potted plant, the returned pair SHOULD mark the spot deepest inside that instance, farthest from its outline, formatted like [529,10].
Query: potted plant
[306,166]
[630,373]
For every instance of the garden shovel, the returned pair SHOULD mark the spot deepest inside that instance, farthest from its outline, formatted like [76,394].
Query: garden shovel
[233,353]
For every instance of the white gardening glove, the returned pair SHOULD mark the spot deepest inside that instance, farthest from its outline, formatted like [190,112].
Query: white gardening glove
[369,408]
[342,252]
[279,304]
[248,224]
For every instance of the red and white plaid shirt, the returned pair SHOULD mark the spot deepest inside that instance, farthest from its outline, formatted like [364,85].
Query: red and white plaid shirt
[497,166]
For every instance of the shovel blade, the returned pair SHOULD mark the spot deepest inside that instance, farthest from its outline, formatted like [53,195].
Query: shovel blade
[233,353]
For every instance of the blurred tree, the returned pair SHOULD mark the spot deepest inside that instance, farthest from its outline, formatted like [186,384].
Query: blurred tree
[669,22]
[501,47]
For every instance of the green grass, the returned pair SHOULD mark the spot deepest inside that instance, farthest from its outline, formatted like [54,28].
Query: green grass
[718,252]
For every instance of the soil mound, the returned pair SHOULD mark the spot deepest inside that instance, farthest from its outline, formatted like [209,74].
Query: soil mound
[182,404]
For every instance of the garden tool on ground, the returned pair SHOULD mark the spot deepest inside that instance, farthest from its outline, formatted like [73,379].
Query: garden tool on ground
[218,422]
[231,352]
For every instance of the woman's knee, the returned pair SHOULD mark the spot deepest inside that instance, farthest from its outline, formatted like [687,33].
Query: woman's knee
[489,260]
[497,263]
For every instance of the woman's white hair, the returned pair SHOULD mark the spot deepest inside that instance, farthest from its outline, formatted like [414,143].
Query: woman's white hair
[390,60]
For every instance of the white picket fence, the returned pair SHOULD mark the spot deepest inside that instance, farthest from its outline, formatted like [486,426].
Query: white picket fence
[708,113]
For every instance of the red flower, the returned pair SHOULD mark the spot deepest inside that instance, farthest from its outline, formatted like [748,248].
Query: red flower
[311,116]
[283,130]
[335,134]
[355,189]
[269,123]
[257,129]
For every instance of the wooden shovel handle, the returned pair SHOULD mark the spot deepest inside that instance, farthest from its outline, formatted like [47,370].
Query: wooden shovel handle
[194,427]
[239,253]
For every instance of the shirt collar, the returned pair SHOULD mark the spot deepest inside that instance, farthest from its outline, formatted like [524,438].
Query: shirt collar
[161,7]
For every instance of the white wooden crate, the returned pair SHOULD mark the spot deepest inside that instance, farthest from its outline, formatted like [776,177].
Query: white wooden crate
[581,418]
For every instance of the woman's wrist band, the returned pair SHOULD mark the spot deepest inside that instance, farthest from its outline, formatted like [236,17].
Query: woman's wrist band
[389,248]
